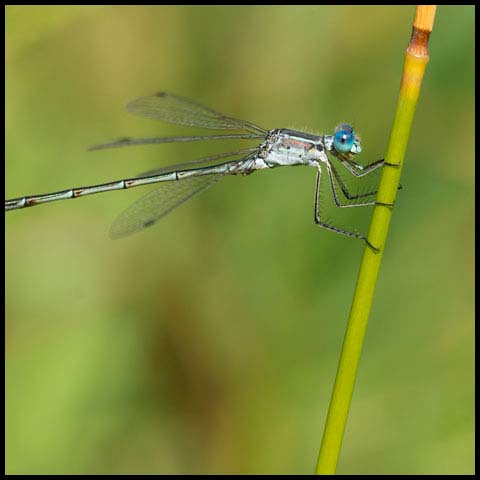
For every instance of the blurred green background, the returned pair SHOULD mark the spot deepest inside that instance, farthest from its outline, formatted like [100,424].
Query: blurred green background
[209,343]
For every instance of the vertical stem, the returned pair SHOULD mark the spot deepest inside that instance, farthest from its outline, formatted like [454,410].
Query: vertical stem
[416,58]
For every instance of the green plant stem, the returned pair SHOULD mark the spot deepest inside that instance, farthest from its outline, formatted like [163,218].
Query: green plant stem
[416,59]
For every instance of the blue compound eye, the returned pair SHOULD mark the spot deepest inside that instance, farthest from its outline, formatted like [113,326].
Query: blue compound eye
[344,138]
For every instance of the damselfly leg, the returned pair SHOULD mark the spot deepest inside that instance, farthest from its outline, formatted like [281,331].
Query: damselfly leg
[330,226]
[354,200]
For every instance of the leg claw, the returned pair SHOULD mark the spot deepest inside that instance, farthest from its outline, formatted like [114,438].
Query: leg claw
[396,165]
[390,205]
[374,249]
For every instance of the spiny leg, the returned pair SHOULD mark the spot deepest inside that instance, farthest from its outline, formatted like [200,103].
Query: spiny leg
[331,169]
[360,170]
[330,227]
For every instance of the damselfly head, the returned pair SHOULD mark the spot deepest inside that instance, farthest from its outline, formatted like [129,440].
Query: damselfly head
[345,141]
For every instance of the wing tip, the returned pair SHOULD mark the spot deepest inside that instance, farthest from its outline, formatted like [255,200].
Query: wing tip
[121,231]
[117,233]
[119,142]
[133,103]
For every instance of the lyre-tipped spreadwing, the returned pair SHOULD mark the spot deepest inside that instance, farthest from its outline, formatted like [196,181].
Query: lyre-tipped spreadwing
[278,147]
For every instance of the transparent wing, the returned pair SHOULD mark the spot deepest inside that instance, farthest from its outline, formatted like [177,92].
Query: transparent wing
[198,162]
[182,111]
[128,141]
[156,204]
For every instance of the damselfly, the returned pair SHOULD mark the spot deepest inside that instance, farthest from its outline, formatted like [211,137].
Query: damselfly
[278,147]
